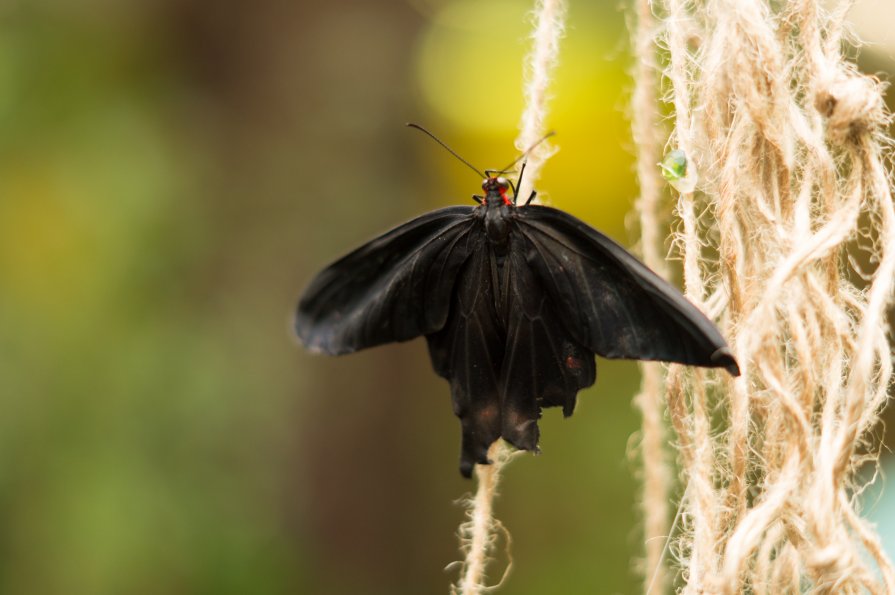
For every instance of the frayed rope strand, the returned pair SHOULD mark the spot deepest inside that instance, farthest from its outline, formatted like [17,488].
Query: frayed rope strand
[478,534]
[549,26]
[794,189]
[649,135]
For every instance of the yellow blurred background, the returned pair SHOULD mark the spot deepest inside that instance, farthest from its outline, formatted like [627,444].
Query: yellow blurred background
[172,173]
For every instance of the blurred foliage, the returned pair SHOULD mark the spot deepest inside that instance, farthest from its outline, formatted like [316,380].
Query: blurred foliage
[172,172]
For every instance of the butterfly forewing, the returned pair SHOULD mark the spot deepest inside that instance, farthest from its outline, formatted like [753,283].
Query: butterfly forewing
[611,302]
[394,288]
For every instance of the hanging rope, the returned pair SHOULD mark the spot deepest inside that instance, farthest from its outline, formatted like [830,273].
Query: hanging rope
[479,533]
[789,241]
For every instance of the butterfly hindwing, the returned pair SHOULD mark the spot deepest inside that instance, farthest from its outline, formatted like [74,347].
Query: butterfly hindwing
[506,354]
[394,288]
[544,365]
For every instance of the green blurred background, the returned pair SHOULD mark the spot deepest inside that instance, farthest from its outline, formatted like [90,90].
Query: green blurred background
[172,173]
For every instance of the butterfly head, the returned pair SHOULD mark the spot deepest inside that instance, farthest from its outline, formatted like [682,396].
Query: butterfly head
[496,188]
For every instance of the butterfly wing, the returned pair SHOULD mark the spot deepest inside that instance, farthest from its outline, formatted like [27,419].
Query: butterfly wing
[506,354]
[394,288]
[468,352]
[544,365]
[611,302]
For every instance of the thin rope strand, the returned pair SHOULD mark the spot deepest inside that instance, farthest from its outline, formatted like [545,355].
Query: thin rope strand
[648,135]
[478,534]
[549,25]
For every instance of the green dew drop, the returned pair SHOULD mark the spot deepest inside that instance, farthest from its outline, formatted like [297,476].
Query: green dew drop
[675,169]
[674,166]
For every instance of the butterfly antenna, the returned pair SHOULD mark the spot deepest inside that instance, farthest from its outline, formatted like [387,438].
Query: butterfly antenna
[448,149]
[525,154]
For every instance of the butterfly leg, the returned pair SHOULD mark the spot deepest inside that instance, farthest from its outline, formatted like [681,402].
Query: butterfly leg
[531,197]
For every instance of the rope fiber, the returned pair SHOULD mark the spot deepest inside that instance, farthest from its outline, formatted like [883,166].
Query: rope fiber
[789,242]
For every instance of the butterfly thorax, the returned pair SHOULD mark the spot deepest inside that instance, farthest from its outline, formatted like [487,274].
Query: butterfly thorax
[497,225]
[497,206]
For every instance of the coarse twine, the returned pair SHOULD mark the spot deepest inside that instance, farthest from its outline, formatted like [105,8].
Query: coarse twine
[479,533]
[788,242]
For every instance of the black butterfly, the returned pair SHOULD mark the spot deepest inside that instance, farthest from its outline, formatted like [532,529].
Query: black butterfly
[514,302]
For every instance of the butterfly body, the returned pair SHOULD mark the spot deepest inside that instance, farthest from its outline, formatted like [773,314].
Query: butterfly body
[514,302]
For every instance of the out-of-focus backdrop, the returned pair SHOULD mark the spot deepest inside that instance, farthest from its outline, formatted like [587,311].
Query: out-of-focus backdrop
[172,173]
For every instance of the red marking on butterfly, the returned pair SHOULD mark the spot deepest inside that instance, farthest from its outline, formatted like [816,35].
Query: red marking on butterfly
[503,195]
